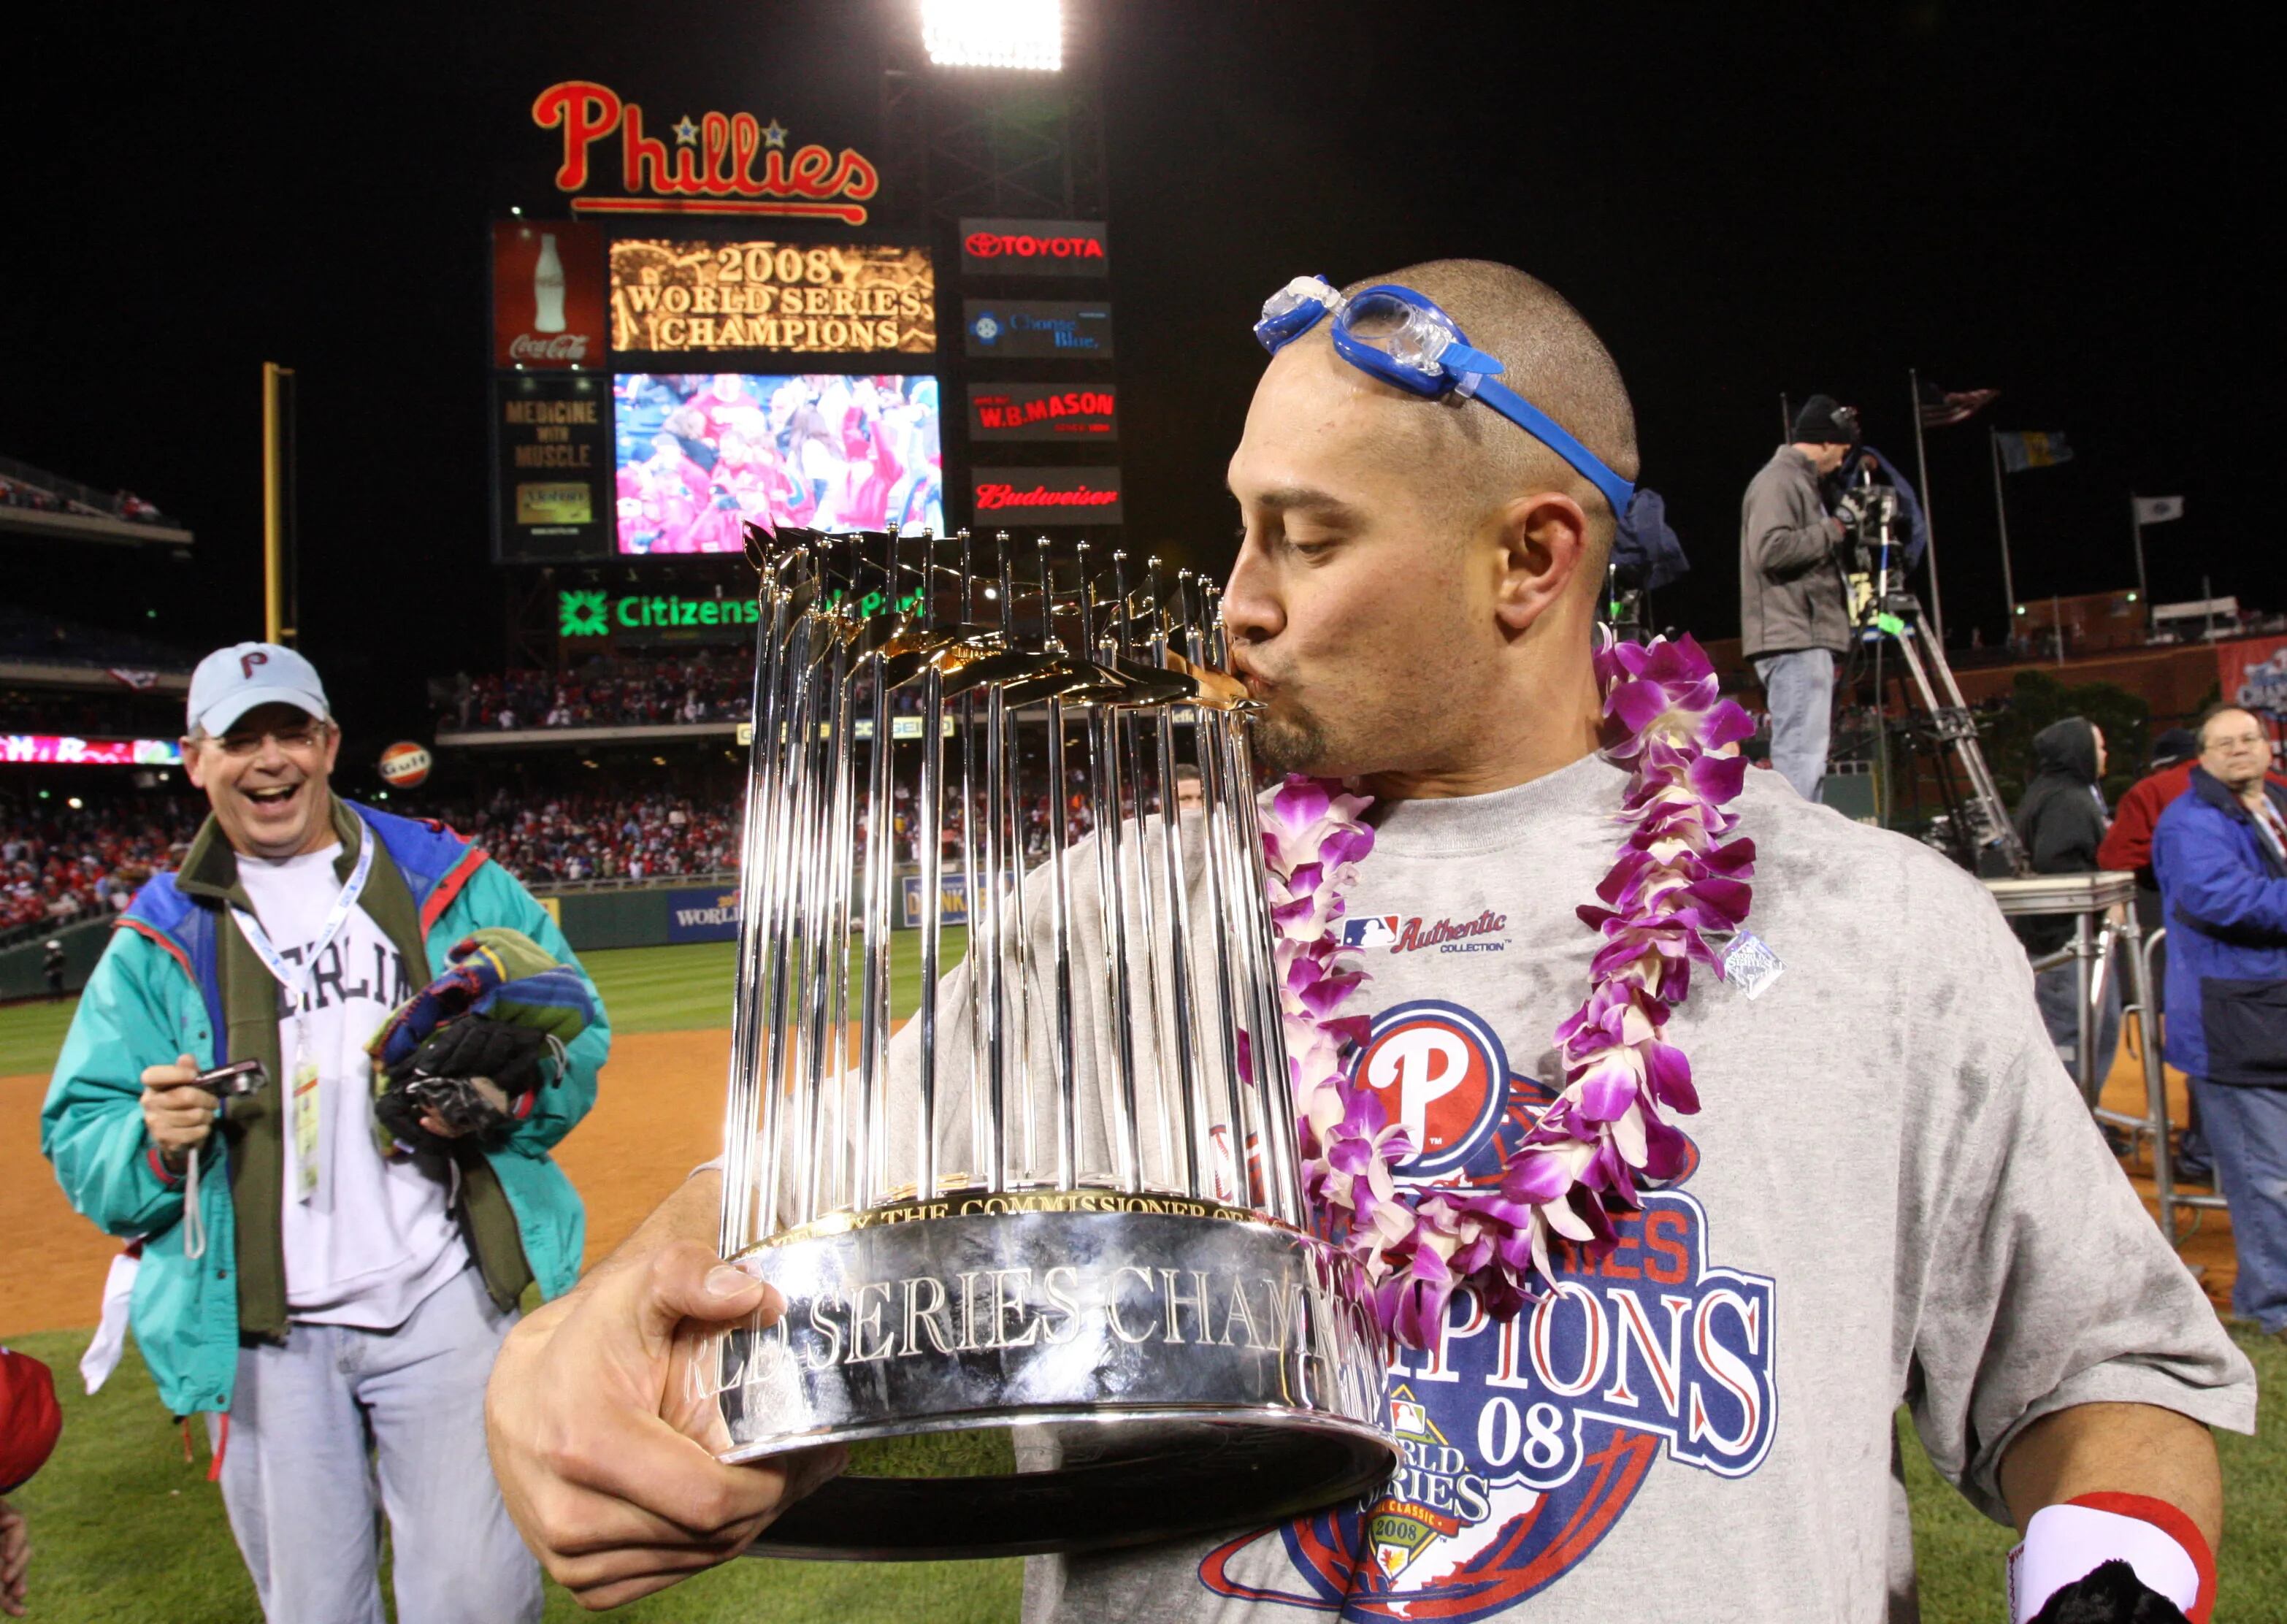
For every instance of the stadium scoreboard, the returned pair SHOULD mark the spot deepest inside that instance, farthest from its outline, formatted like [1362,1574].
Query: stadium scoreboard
[718,330]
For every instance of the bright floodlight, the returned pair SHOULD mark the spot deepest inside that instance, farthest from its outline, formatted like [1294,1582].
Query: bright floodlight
[993,33]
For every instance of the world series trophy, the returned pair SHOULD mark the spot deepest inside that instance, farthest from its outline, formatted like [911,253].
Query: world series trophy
[1061,1201]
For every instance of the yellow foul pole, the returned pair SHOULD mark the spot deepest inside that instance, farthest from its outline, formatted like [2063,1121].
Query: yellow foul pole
[273,505]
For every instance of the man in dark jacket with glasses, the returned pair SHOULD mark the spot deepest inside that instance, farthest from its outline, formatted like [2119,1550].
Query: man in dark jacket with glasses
[2221,851]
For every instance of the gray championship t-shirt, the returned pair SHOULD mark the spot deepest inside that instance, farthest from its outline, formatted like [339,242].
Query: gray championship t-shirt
[1897,1195]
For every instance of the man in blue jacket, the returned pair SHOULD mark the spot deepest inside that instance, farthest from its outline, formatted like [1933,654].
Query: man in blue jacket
[329,1268]
[2221,852]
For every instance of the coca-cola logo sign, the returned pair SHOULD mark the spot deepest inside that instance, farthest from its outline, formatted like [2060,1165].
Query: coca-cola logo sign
[1047,496]
[549,308]
[1034,248]
[560,347]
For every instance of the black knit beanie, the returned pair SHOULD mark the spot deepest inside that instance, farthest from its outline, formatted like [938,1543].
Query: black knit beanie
[1823,422]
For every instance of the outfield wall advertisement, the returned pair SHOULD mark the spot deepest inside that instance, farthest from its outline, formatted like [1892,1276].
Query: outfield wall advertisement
[710,915]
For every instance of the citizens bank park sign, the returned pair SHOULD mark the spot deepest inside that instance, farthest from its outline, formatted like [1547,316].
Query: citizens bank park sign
[727,164]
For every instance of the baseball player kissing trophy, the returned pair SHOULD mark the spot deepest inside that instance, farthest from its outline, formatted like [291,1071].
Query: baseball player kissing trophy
[1065,1196]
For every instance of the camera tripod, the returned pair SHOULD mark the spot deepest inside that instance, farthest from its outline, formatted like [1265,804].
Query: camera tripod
[1976,829]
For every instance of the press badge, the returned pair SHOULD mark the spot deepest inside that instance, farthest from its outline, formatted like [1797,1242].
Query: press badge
[306,1125]
[1749,965]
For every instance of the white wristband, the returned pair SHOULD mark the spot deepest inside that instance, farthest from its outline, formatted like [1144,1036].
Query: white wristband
[2064,1544]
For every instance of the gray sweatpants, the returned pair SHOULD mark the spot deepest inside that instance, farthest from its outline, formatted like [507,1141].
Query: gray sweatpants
[339,1420]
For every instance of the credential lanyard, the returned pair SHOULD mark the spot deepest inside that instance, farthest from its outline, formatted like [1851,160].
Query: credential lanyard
[296,979]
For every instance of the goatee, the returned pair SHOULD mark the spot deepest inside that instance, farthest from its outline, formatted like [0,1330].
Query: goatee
[1287,743]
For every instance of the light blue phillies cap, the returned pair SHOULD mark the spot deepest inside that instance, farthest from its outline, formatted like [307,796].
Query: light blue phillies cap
[232,681]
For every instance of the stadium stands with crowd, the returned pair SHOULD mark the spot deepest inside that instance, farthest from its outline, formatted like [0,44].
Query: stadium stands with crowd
[59,863]
[608,691]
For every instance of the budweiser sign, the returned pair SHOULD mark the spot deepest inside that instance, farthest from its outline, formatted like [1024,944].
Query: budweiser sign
[1034,248]
[717,163]
[1047,496]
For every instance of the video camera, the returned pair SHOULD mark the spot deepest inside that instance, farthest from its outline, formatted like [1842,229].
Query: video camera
[1874,536]
[1873,519]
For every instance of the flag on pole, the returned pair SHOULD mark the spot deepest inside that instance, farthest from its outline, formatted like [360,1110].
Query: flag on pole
[1942,410]
[2033,449]
[2158,510]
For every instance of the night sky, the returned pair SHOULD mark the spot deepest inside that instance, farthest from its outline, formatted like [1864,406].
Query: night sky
[2057,202]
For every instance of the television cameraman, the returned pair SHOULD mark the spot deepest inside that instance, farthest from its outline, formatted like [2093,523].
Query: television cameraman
[1794,613]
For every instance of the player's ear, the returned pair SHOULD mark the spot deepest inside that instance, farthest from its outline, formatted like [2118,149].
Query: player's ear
[1543,542]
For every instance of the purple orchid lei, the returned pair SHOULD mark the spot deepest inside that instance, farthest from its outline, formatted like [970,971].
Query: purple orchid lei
[1676,882]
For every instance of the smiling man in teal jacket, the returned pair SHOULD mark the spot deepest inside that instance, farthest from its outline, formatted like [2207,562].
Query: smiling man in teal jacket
[305,1274]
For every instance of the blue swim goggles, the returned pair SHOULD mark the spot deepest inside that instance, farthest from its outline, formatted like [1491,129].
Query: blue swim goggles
[1424,353]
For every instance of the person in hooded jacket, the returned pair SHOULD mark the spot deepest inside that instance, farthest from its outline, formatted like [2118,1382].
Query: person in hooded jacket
[2062,820]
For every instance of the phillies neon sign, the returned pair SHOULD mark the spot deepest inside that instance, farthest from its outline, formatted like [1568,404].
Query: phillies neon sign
[710,167]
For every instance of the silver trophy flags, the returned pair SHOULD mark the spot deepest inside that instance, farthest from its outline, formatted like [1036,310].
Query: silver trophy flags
[1009,1125]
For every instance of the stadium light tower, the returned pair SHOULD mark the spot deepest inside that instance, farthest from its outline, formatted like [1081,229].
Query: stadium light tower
[1026,34]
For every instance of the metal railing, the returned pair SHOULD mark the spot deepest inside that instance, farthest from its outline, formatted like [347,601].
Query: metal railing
[2151,1033]
[105,505]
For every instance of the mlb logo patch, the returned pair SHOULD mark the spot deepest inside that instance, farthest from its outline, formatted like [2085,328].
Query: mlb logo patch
[1370,931]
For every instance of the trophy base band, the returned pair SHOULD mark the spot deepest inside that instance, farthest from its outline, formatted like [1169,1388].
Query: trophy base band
[1168,1366]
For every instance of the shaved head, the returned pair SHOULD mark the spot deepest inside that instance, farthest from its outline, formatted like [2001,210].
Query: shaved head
[1553,358]
[1415,593]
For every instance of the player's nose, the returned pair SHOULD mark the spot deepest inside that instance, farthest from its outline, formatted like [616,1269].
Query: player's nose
[1251,609]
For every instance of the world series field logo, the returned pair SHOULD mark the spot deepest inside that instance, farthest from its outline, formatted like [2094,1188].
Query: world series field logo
[1525,1443]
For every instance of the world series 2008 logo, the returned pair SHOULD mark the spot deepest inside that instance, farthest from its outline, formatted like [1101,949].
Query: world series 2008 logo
[1524,1443]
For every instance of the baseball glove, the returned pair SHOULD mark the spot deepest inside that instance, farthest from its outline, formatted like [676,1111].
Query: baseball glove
[475,1047]
[476,1076]
[2110,1594]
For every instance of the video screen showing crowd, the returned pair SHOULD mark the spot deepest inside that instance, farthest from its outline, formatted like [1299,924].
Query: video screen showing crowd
[696,455]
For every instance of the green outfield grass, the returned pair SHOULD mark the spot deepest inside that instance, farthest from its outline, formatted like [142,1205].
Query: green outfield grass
[122,1528]
[675,989]
[645,989]
[30,1034]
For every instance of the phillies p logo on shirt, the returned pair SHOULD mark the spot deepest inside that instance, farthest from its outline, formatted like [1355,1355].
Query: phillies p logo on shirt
[1525,1443]
[1439,1072]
